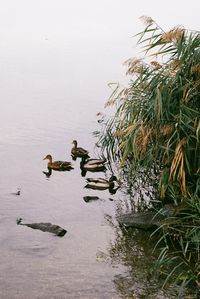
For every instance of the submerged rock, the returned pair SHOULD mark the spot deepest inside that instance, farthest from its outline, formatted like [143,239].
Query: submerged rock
[147,220]
[144,221]
[45,227]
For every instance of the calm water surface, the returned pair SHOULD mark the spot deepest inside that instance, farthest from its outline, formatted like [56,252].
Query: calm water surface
[50,96]
[46,102]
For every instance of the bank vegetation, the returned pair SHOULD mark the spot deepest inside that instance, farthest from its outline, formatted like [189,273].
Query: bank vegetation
[155,134]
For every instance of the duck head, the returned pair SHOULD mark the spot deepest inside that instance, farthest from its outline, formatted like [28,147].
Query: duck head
[48,157]
[113,187]
[74,142]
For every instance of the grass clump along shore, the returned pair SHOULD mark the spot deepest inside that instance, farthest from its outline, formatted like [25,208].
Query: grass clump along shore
[155,134]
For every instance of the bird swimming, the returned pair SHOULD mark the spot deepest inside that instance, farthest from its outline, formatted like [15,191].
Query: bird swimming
[103,184]
[78,151]
[93,164]
[58,165]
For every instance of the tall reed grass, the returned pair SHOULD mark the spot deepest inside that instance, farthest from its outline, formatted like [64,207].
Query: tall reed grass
[156,130]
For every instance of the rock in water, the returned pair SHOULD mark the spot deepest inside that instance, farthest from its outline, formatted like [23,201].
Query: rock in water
[90,198]
[143,221]
[147,220]
[45,227]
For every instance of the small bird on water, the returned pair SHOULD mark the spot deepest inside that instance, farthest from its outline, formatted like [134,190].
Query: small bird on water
[58,165]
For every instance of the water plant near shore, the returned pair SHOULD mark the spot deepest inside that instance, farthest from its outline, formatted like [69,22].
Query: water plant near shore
[156,132]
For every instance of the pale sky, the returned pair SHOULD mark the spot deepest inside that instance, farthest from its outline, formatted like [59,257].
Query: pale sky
[79,44]
[104,20]
[54,50]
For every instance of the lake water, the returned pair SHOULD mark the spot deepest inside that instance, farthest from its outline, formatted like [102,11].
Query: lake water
[46,102]
[50,93]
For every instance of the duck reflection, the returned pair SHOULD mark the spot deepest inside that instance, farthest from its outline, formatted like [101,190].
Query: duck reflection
[48,173]
[90,198]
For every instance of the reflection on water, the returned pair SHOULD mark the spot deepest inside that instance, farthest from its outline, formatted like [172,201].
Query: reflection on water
[133,248]
[51,90]
[41,113]
[48,173]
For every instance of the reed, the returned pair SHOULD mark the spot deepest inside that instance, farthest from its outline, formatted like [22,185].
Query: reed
[156,131]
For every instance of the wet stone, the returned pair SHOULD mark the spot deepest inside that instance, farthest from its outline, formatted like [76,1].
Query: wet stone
[45,227]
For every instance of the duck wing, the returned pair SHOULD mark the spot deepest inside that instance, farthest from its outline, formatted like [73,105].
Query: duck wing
[60,165]
[65,164]
[97,186]
[95,161]
[94,167]
[82,150]
[98,180]
[79,152]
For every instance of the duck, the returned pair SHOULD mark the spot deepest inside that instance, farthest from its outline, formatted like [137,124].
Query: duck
[93,164]
[78,151]
[102,184]
[57,165]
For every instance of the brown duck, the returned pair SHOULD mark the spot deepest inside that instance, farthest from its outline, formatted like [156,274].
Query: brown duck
[78,151]
[58,165]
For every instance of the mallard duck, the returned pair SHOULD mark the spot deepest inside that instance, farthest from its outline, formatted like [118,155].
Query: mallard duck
[78,151]
[93,164]
[101,184]
[58,165]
